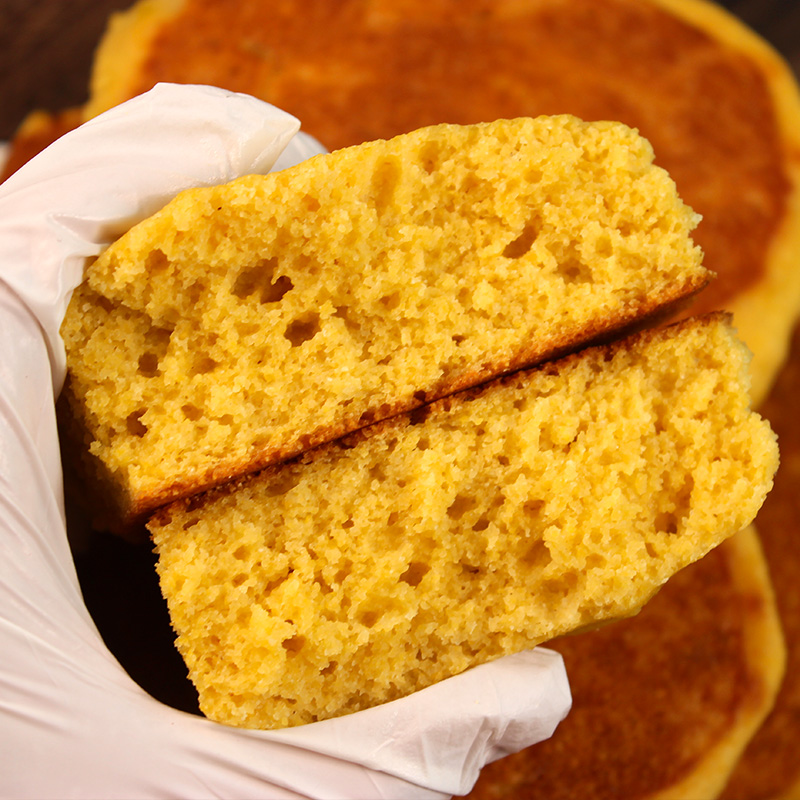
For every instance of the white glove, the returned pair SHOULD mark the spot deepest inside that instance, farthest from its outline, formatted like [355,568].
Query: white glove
[72,723]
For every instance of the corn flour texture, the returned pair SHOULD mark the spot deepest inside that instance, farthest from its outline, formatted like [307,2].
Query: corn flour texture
[246,323]
[476,526]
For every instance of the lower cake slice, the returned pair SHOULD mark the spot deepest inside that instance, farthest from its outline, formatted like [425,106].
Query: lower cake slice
[477,526]
[246,323]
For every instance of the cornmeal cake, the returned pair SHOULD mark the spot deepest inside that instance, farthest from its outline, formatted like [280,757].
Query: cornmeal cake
[664,702]
[720,107]
[769,767]
[717,103]
[246,323]
[476,526]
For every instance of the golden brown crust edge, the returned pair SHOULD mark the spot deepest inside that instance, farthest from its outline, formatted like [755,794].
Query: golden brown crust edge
[417,414]
[648,314]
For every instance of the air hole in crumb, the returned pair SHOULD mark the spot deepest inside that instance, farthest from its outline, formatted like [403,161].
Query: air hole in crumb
[134,424]
[273,292]
[156,261]
[369,618]
[533,508]
[246,282]
[420,395]
[573,270]
[430,156]
[343,571]
[423,443]
[203,365]
[191,412]
[157,339]
[243,616]
[226,419]
[538,554]
[667,523]
[415,573]
[367,418]
[533,175]
[239,579]
[194,293]
[561,587]
[376,472]
[247,328]
[255,277]
[348,523]
[385,178]
[324,586]
[190,524]
[272,585]
[330,669]
[344,313]
[311,203]
[481,525]
[392,518]
[461,505]
[241,553]
[391,301]
[595,561]
[302,330]
[651,550]
[148,365]
[469,569]
[281,484]
[523,243]
[294,644]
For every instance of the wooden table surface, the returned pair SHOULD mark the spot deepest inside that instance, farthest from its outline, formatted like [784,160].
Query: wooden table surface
[46,48]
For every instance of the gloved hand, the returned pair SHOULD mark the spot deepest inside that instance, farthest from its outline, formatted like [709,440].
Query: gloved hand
[72,723]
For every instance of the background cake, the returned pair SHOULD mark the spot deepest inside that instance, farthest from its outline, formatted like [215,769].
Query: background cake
[245,323]
[717,109]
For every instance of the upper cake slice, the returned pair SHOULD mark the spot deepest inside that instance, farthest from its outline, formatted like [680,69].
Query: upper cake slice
[245,323]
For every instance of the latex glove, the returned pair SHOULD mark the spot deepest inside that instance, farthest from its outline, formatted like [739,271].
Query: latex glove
[72,723]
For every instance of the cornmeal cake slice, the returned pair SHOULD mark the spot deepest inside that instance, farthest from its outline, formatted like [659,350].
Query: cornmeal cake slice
[719,105]
[474,527]
[245,323]
[664,67]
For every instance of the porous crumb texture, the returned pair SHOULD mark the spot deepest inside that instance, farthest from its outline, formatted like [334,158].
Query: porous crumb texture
[474,527]
[245,323]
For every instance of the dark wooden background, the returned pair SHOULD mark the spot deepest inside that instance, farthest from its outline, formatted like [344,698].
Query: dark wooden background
[46,47]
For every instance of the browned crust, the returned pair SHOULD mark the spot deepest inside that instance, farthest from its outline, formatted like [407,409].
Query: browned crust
[648,312]
[418,413]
